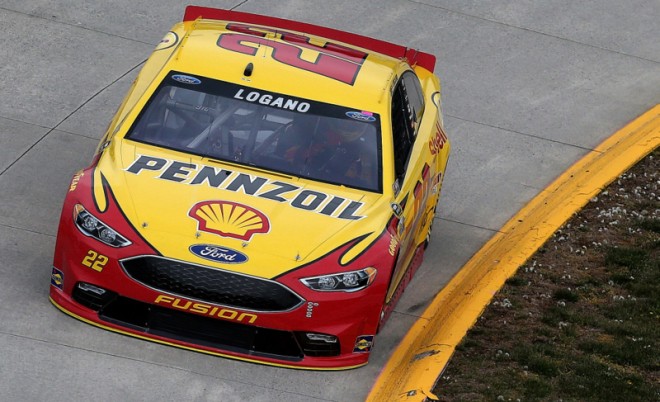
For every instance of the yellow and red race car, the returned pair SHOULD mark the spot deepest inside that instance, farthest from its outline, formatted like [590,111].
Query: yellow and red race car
[265,192]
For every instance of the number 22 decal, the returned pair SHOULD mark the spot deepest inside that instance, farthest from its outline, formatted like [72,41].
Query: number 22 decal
[95,260]
[334,61]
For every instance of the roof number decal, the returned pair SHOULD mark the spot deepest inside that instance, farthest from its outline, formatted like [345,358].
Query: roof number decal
[333,60]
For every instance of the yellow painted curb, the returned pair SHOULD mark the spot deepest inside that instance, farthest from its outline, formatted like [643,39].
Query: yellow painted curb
[412,370]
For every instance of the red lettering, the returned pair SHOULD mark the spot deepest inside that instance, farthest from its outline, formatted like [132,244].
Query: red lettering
[333,61]
[332,49]
[438,141]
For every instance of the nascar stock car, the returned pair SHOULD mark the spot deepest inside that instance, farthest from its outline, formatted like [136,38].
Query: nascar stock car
[265,192]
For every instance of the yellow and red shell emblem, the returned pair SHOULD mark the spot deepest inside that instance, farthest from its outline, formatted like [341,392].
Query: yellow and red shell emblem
[229,219]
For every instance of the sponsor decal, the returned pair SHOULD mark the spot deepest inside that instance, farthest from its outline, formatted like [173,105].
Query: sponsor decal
[170,39]
[310,309]
[438,141]
[76,180]
[362,116]
[229,219]
[436,100]
[186,79]
[256,186]
[363,344]
[57,278]
[397,209]
[218,254]
[436,183]
[394,244]
[205,309]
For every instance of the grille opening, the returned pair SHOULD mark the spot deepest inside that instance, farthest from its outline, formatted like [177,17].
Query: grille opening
[210,284]
[200,330]
[317,348]
[95,300]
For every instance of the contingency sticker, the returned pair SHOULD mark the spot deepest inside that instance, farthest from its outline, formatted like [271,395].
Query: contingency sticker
[57,278]
[363,344]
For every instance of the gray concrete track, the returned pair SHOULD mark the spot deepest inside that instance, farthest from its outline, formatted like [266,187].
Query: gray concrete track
[529,87]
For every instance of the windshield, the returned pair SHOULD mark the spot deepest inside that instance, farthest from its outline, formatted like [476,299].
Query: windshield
[261,129]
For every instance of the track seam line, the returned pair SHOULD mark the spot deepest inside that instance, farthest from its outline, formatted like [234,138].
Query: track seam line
[238,5]
[521,133]
[69,115]
[467,224]
[534,31]
[70,24]
[26,230]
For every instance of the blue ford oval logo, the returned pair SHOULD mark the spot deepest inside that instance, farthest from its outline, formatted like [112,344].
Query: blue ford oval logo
[362,116]
[186,79]
[218,254]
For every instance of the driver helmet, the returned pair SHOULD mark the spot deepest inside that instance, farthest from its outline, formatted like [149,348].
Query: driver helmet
[349,130]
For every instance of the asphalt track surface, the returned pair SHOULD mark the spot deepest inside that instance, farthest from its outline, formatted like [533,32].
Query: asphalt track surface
[529,87]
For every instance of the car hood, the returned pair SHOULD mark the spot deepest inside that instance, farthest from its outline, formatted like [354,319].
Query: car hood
[193,209]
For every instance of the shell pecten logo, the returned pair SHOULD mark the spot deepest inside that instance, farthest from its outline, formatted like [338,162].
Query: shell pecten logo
[229,219]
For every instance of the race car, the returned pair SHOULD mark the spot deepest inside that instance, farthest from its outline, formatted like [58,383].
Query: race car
[265,192]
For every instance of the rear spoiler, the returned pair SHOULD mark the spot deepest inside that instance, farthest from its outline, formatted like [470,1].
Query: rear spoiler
[414,57]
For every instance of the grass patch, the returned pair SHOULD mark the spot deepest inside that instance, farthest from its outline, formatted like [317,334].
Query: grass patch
[553,315]
[535,388]
[537,359]
[652,225]
[565,294]
[633,258]
[597,341]
[516,281]
[590,380]
[622,351]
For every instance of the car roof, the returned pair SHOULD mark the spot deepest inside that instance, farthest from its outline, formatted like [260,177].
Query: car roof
[200,53]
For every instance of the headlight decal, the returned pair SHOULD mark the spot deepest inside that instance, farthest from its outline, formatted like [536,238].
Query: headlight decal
[91,226]
[327,274]
[351,281]
[101,203]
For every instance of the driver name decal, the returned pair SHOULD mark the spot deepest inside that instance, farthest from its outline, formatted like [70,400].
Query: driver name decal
[273,101]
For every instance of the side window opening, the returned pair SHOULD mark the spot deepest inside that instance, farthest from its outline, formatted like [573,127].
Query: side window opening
[415,98]
[407,111]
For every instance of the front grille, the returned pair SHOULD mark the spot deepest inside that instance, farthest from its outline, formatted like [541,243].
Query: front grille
[211,285]
[203,331]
